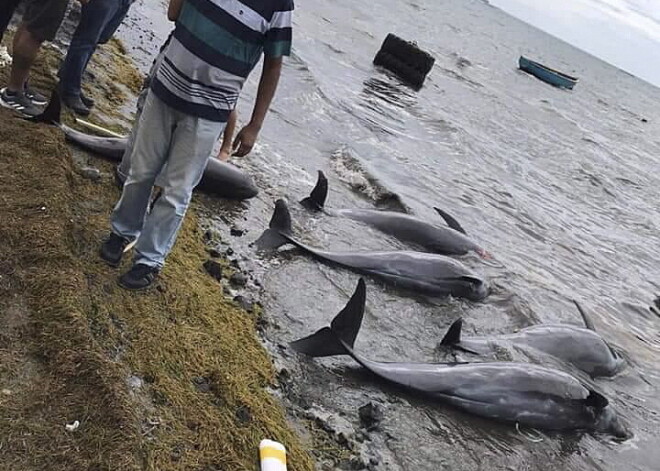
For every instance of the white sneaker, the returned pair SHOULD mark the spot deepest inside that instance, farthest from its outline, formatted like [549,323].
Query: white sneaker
[5,58]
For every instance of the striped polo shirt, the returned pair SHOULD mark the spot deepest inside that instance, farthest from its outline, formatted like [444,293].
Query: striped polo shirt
[214,47]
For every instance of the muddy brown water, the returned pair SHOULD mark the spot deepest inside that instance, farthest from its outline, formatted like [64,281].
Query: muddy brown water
[562,187]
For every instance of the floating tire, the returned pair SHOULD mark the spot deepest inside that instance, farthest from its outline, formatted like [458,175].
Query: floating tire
[405,59]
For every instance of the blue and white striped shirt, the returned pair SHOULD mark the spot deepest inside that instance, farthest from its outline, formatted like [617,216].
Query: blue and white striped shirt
[215,46]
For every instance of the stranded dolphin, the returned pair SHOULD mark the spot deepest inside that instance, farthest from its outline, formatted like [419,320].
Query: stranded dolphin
[431,274]
[580,347]
[450,240]
[512,392]
[220,178]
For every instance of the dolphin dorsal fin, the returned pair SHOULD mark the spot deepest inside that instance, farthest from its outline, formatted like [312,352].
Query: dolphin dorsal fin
[451,222]
[453,335]
[587,320]
[316,199]
[280,223]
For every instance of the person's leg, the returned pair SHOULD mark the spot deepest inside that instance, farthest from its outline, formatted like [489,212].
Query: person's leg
[151,148]
[25,49]
[41,20]
[192,143]
[125,165]
[113,22]
[95,15]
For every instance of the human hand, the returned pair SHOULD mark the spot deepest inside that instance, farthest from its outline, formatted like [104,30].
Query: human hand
[245,140]
[224,155]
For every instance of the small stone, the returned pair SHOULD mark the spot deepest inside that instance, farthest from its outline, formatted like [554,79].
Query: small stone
[236,231]
[202,384]
[238,279]
[244,303]
[6,392]
[214,269]
[214,253]
[357,463]
[243,415]
[370,415]
[91,173]
[134,382]
[229,252]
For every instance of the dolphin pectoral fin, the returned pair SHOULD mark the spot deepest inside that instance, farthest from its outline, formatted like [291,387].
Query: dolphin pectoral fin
[316,199]
[587,320]
[451,222]
[341,335]
[453,335]
[596,400]
[52,113]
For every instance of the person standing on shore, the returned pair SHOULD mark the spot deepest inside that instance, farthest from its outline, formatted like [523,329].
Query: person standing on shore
[99,20]
[121,171]
[215,46]
[41,20]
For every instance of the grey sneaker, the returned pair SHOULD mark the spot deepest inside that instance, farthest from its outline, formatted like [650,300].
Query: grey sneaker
[18,102]
[34,96]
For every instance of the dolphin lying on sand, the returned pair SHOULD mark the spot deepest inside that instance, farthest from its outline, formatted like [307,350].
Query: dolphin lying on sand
[580,347]
[220,178]
[431,274]
[450,240]
[512,392]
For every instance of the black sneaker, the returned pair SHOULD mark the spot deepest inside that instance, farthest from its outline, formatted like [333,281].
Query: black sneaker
[75,104]
[17,101]
[113,249]
[89,102]
[139,277]
[34,96]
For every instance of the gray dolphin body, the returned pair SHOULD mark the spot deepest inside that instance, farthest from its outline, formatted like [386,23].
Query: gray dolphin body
[512,392]
[582,348]
[450,240]
[220,178]
[431,274]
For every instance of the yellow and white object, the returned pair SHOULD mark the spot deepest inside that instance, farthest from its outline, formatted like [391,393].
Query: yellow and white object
[273,456]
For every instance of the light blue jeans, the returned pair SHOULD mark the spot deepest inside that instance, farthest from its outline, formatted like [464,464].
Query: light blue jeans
[125,165]
[183,142]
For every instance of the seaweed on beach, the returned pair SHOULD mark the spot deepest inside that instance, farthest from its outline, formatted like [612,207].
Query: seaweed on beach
[172,378]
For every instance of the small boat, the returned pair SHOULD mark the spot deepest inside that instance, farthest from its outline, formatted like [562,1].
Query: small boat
[548,75]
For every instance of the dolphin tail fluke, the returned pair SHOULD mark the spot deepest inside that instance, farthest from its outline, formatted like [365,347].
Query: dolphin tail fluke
[588,323]
[279,227]
[451,222]
[340,336]
[316,199]
[453,335]
[52,113]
